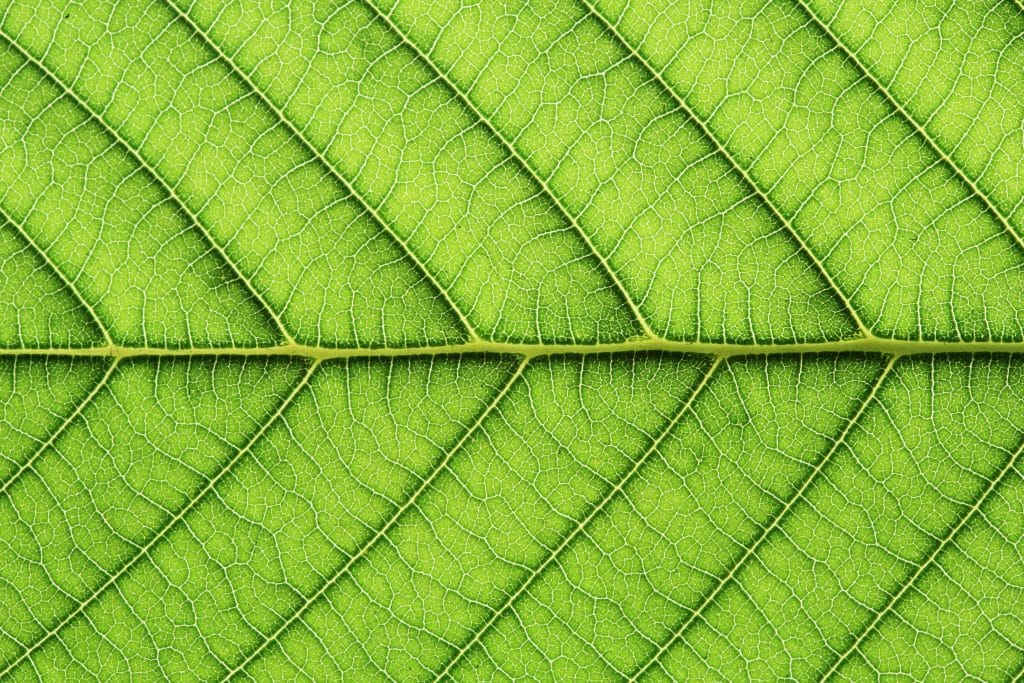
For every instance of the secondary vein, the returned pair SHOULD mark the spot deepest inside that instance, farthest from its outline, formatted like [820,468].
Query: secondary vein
[798,495]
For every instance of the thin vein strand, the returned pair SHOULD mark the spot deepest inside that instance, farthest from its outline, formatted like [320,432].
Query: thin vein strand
[580,526]
[162,533]
[942,545]
[425,484]
[776,521]
[962,176]
[522,162]
[168,189]
[322,160]
[705,130]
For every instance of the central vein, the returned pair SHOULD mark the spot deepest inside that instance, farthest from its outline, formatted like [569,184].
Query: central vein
[894,347]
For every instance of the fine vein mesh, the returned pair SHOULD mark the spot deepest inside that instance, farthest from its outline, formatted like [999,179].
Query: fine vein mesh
[882,204]
[560,339]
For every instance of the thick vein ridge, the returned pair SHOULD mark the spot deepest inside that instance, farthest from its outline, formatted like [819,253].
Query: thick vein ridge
[873,345]
[522,162]
[364,550]
[156,176]
[68,282]
[161,533]
[68,421]
[596,510]
[944,543]
[776,521]
[322,160]
[923,134]
[705,130]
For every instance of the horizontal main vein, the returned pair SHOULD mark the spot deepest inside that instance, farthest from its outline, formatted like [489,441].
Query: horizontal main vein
[852,58]
[150,170]
[596,510]
[425,484]
[944,543]
[872,345]
[161,533]
[322,160]
[67,281]
[523,163]
[748,179]
[779,517]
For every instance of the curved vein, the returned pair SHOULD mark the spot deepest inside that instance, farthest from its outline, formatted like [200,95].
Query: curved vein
[971,185]
[523,164]
[322,160]
[162,533]
[944,543]
[27,465]
[772,525]
[582,524]
[136,155]
[68,282]
[362,552]
[705,130]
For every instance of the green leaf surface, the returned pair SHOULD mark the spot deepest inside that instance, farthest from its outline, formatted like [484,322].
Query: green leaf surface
[544,339]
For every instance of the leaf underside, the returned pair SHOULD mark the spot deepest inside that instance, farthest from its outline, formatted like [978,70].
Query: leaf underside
[549,339]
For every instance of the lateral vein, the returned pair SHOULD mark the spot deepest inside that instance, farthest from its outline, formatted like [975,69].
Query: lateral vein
[321,159]
[425,484]
[948,539]
[960,174]
[522,162]
[68,282]
[144,551]
[705,130]
[798,495]
[168,189]
[595,510]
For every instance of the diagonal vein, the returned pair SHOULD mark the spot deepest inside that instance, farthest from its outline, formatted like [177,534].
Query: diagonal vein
[521,161]
[962,176]
[27,465]
[67,281]
[163,531]
[766,200]
[168,189]
[942,545]
[596,510]
[362,552]
[798,495]
[322,160]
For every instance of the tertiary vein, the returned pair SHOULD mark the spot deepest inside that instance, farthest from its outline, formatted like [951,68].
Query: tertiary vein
[327,165]
[168,189]
[774,524]
[709,135]
[581,525]
[173,521]
[428,481]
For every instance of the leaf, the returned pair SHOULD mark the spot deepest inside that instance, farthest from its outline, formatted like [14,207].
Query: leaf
[561,339]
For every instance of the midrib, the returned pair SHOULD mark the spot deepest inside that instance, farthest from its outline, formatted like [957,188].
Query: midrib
[874,345]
